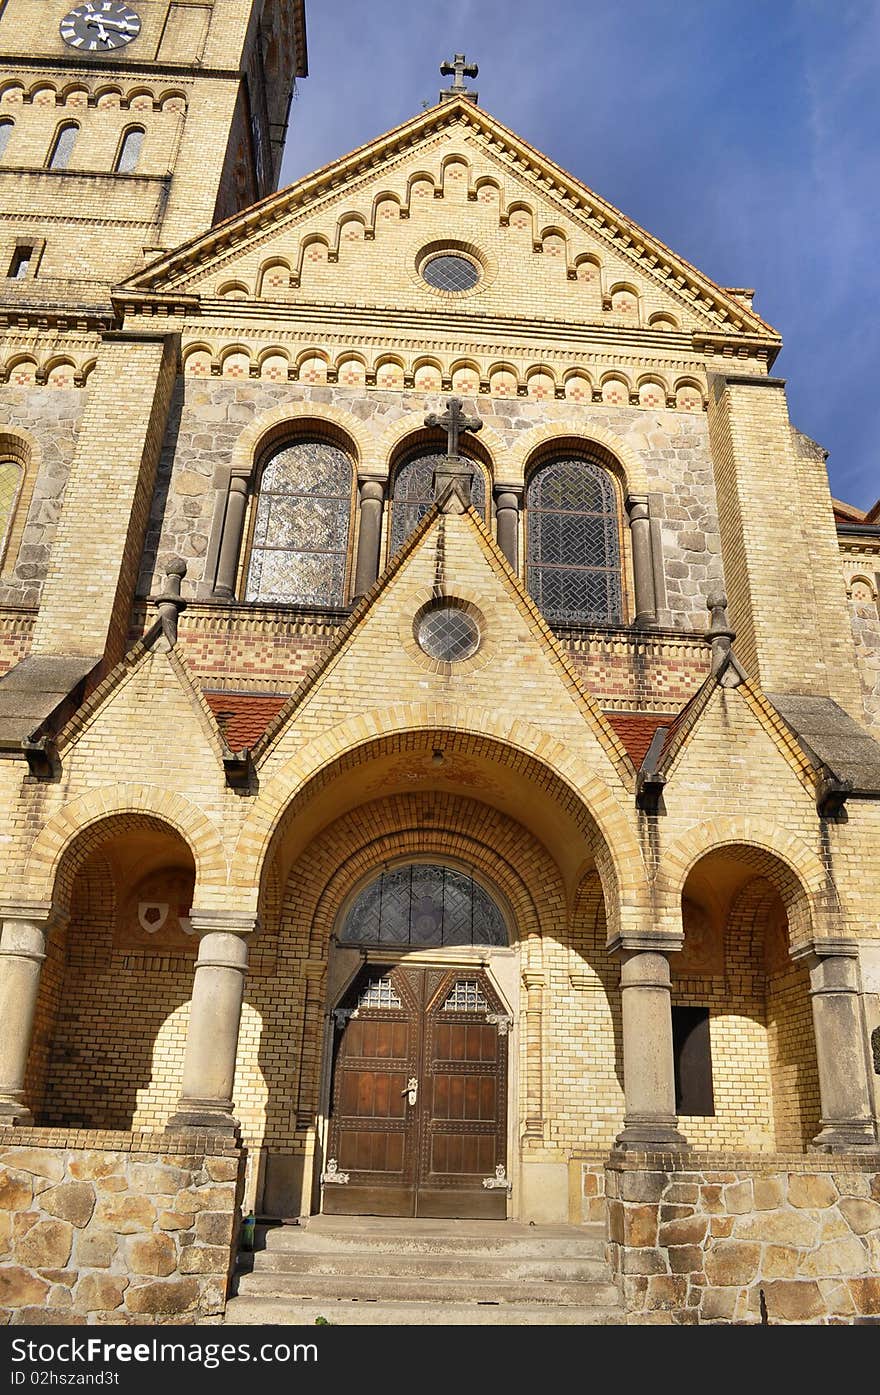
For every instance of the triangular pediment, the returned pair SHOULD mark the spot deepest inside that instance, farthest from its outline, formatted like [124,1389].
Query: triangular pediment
[449,560]
[357,232]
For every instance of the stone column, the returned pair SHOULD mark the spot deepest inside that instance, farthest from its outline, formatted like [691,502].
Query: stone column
[507,502]
[648,1072]
[233,529]
[371,494]
[841,1049]
[643,561]
[22,951]
[214,1018]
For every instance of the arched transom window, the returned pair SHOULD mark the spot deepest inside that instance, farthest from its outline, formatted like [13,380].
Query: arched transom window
[301,527]
[423,906]
[414,494]
[573,568]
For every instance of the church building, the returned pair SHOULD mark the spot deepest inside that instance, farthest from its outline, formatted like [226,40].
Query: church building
[439,722]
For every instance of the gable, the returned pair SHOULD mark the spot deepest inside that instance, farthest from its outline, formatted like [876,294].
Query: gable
[355,234]
[518,672]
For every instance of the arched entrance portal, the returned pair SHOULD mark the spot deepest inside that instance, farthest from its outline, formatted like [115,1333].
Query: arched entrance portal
[418,1091]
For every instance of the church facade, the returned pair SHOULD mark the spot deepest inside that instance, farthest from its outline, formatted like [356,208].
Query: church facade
[436,720]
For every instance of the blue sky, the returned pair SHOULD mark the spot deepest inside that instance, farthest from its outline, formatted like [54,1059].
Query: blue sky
[745,135]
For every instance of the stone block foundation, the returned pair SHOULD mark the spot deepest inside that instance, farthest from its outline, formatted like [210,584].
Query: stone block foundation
[116,1227]
[709,1238]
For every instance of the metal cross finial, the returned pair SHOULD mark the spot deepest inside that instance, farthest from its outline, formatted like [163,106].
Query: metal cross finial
[453,421]
[458,69]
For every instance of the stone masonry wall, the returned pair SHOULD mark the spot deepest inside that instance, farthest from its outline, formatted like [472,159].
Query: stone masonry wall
[861,568]
[116,1227]
[49,417]
[714,1239]
[208,416]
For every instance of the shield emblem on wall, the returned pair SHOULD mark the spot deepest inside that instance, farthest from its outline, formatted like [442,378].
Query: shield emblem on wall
[152,915]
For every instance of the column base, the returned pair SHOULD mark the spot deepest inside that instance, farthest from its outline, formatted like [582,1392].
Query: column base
[205,1117]
[650,1136]
[15,1114]
[858,1134]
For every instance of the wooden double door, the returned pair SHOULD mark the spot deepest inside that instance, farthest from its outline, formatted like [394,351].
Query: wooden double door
[418,1116]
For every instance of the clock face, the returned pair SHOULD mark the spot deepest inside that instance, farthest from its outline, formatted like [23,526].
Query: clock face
[99,26]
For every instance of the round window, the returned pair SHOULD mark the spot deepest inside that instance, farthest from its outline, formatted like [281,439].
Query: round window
[451,272]
[448,633]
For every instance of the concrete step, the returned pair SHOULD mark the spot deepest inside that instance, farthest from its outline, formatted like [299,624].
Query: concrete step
[406,1288]
[497,1268]
[277,1312]
[486,1238]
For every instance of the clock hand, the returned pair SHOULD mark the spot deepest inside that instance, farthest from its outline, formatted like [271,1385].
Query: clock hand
[112,24]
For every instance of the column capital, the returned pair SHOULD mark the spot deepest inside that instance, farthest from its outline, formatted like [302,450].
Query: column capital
[515,489]
[827,947]
[371,487]
[46,914]
[646,942]
[637,505]
[223,922]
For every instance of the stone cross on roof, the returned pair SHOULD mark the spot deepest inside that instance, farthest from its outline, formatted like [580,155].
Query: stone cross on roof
[459,69]
[454,422]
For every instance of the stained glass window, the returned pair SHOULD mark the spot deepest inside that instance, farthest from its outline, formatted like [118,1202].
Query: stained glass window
[10,479]
[5,132]
[423,906]
[414,494]
[379,993]
[448,633]
[303,514]
[573,565]
[130,150]
[450,273]
[62,150]
[466,996]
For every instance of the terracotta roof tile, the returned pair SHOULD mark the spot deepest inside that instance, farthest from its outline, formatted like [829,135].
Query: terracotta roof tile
[636,731]
[243,717]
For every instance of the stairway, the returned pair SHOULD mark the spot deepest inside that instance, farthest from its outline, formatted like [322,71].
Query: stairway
[373,1271]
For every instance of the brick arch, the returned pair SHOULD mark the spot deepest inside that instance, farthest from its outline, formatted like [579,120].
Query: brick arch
[625,462]
[343,858]
[388,448]
[781,857]
[63,841]
[270,427]
[588,799]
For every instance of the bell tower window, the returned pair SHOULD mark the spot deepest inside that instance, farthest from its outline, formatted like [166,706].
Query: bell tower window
[62,148]
[130,150]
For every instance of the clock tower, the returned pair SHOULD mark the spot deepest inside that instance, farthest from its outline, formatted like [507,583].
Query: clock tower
[128,127]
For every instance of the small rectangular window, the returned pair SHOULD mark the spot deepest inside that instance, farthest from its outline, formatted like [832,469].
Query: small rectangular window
[692,1057]
[20,265]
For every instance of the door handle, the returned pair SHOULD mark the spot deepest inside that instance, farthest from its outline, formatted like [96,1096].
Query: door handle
[411,1089]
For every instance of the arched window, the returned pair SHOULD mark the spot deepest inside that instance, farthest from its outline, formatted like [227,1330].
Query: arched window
[62,149]
[6,126]
[423,906]
[573,568]
[302,516]
[130,150]
[11,475]
[413,495]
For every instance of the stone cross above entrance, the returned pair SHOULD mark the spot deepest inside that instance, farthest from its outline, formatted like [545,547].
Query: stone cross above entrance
[458,69]
[453,421]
